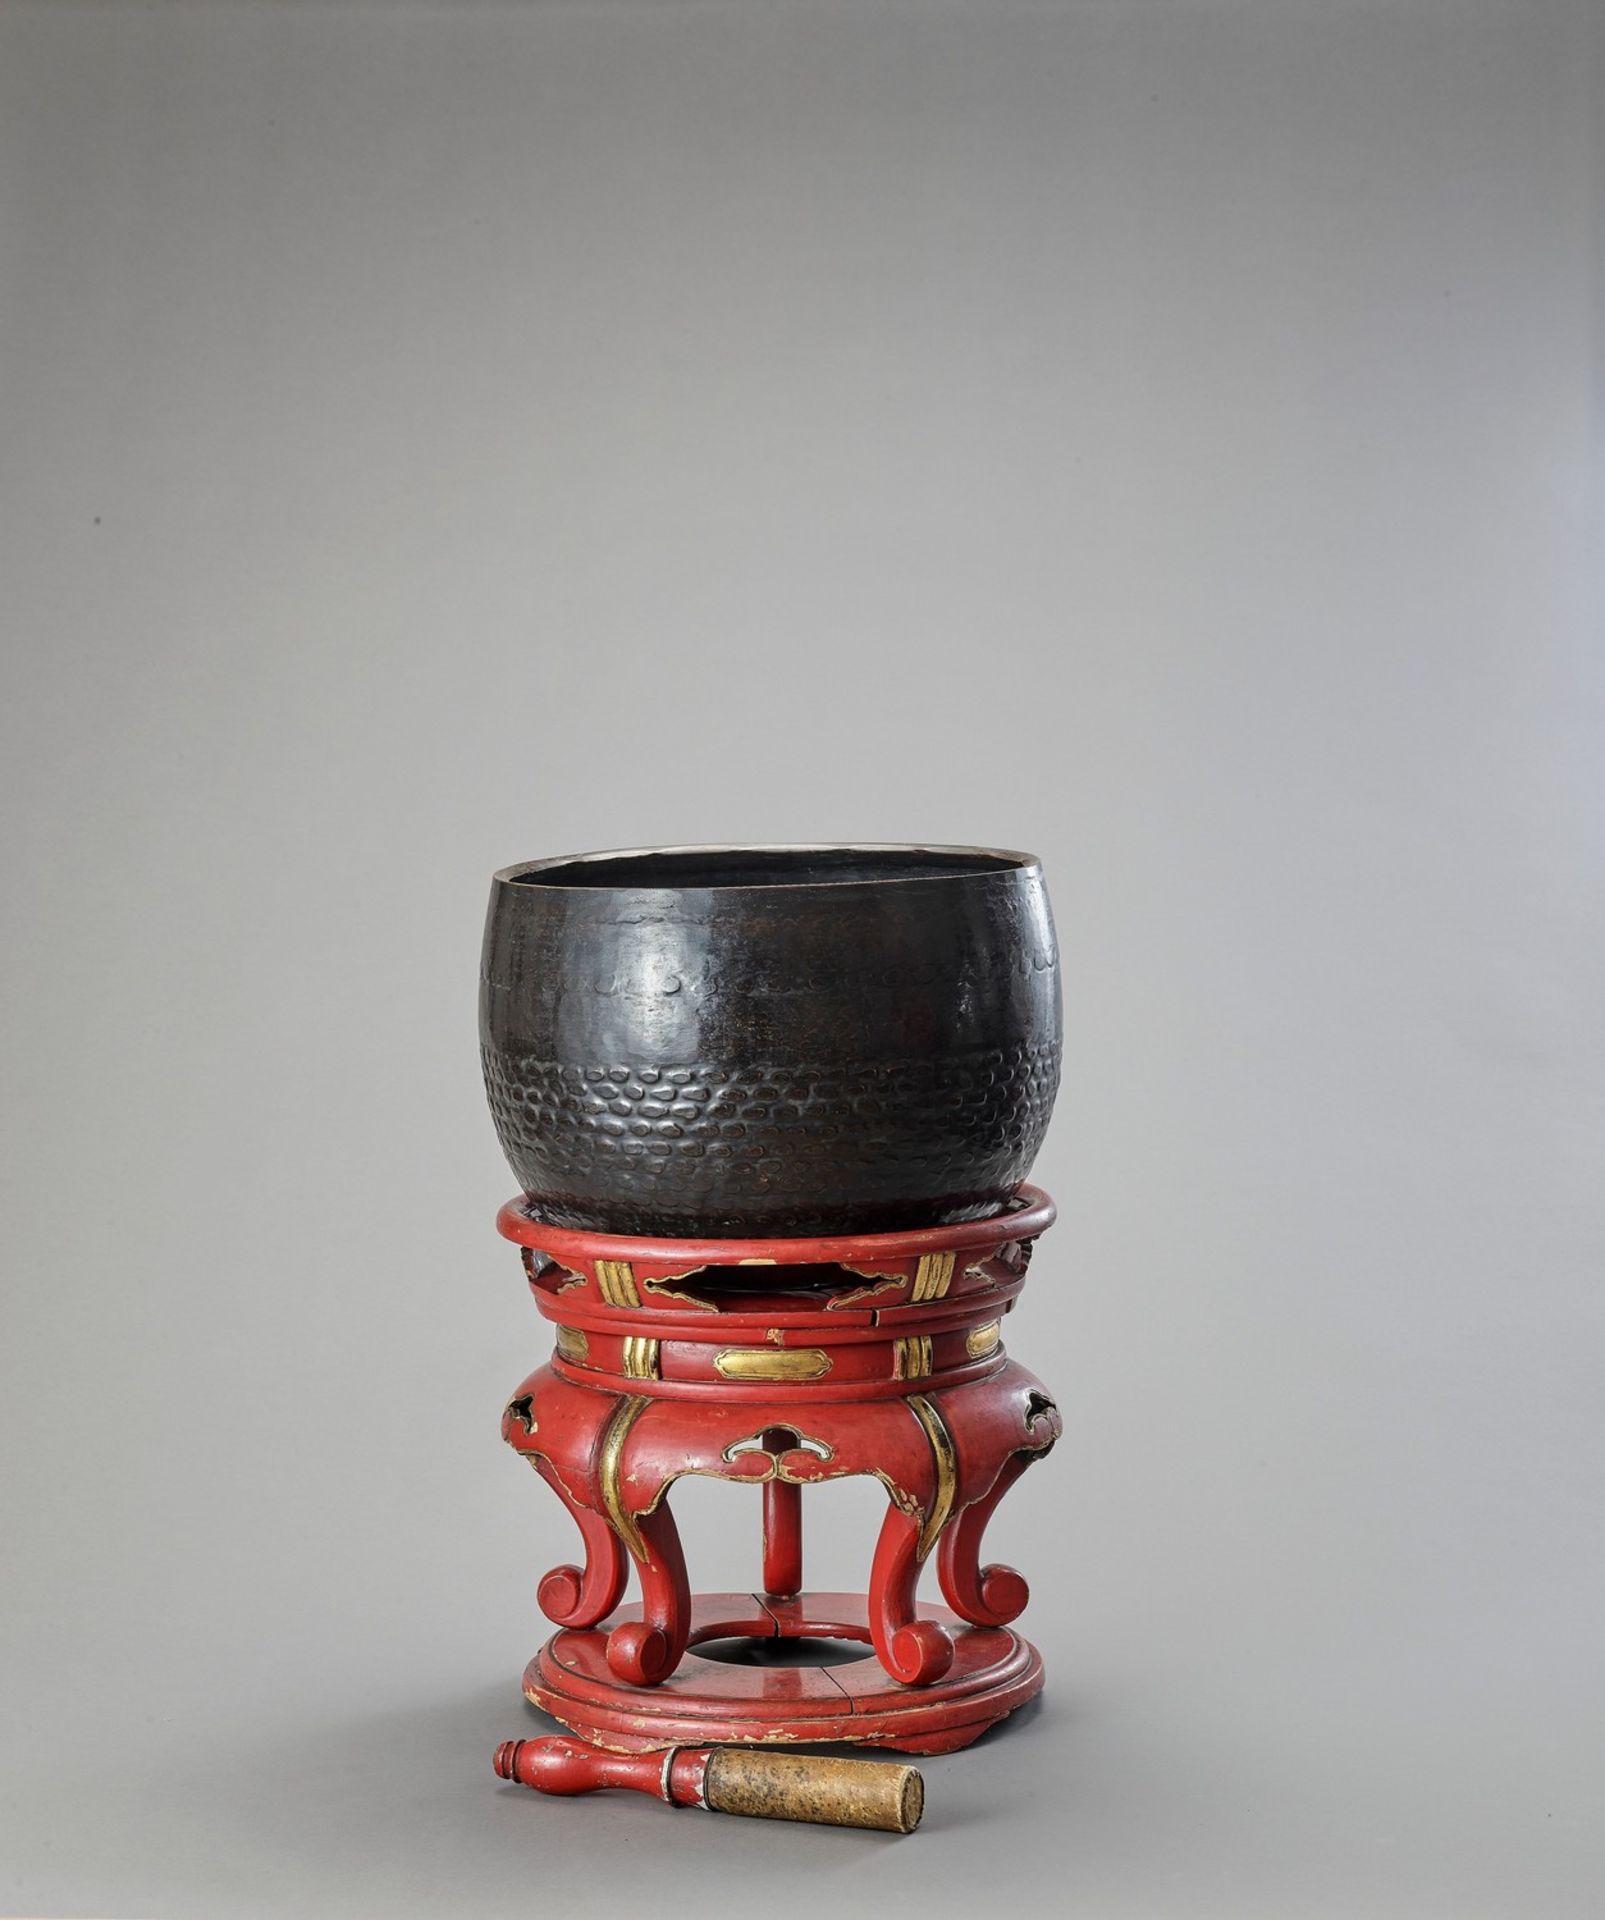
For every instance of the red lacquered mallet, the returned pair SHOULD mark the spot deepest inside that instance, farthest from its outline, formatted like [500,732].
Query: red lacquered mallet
[769,1785]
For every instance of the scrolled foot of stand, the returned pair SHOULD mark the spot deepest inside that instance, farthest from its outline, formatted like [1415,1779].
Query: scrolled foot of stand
[560,1594]
[1005,1594]
[573,1596]
[638,1654]
[919,1653]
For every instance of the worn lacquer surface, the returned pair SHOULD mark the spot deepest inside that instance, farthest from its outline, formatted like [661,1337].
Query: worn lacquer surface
[800,1375]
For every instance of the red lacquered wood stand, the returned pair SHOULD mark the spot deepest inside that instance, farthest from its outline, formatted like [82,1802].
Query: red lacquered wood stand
[872,1354]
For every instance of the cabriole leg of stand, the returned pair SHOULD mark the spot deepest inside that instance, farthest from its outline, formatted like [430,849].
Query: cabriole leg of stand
[985,1596]
[911,1650]
[569,1596]
[782,1526]
[646,1651]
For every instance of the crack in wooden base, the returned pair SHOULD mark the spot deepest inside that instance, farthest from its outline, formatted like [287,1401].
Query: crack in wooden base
[706,1702]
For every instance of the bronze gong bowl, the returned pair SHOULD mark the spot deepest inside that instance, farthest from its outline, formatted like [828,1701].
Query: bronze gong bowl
[749,1041]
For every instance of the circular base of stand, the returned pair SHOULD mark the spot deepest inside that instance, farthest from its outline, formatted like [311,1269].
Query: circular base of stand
[708,1702]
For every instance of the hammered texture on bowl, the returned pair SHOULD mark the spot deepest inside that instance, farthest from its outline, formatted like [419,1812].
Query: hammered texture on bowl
[784,1041]
[785,1144]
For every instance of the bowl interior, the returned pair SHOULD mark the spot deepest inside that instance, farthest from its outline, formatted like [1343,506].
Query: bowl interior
[765,866]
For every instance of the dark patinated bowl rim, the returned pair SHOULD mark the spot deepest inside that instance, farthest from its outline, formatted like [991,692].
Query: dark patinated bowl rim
[969,863]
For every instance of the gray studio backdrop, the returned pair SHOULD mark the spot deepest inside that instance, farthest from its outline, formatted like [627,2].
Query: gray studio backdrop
[1161,435]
